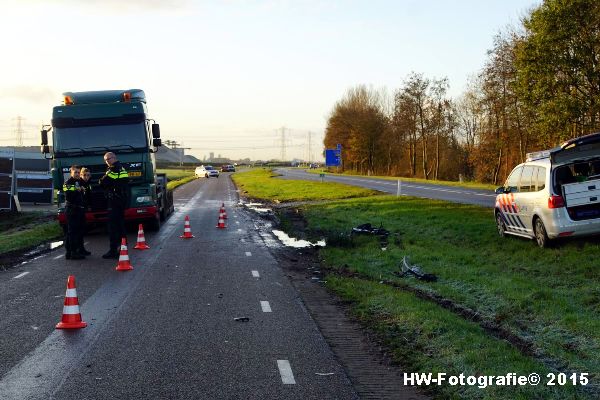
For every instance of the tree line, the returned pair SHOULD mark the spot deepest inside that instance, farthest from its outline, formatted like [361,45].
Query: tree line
[539,86]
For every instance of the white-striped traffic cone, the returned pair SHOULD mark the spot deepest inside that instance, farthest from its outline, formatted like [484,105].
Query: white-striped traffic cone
[222,211]
[221,223]
[141,240]
[187,231]
[71,317]
[124,264]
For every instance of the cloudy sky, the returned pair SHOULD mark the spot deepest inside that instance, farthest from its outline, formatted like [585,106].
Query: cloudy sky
[226,76]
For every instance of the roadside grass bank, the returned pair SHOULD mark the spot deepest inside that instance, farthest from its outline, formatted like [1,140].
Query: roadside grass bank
[549,300]
[261,183]
[177,177]
[26,230]
[466,184]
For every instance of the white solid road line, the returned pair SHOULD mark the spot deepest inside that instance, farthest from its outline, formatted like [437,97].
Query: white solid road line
[248,254]
[255,274]
[20,275]
[287,376]
[265,306]
[57,257]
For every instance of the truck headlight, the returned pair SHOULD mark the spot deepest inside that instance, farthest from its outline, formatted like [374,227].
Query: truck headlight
[143,199]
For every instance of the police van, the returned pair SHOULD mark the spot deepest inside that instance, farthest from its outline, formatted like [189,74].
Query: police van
[554,193]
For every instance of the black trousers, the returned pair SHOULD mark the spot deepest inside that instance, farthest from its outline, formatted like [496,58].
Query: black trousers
[75,225]
[116,226]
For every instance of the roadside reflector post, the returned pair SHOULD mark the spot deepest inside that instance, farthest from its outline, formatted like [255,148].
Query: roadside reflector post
[322,176]
[399,191]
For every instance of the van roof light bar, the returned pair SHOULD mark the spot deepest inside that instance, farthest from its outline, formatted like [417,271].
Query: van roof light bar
[537,155]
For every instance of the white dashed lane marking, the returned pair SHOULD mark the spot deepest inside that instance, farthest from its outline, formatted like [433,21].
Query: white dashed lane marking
[248,254]
[266,307]
[255,274]
[57,257]
[21,275]
[287,376]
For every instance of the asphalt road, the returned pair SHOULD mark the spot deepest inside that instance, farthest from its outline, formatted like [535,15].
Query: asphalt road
[485,198]
[166,329]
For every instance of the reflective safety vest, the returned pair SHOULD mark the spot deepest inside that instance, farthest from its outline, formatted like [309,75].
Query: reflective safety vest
[122,174]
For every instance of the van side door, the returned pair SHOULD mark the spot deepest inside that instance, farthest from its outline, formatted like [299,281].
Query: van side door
[524,201]
[505,201]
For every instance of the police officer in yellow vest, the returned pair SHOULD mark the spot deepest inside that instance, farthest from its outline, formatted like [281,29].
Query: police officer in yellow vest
[75,211]
[116,190]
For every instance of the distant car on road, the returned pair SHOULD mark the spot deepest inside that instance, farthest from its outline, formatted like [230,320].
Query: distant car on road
[227,168]
[554,193]
[206,171]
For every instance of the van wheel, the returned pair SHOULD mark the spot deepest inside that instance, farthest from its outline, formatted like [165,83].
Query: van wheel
[500,225]
[541,237]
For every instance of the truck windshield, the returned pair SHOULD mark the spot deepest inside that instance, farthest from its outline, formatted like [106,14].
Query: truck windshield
[100,138]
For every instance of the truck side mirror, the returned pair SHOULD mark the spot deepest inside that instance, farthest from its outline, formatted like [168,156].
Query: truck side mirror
[156,132]
[156,142]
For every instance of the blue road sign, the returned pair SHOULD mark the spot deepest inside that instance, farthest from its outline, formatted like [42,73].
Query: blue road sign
[333,157]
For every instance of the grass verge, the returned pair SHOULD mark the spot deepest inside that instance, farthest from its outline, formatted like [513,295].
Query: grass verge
[548,300]
[23,231]
[177,177]
[261,183]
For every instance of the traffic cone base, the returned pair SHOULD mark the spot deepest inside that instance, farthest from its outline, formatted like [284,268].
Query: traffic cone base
[124,264]
[71,325]
[187,231]
[141,240]
[71,317]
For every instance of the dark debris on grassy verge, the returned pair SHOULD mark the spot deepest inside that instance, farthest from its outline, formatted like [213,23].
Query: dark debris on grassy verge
[491,327]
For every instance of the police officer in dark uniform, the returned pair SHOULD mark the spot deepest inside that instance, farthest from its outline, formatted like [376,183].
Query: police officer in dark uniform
[87,195]
[115,183]
[74,210]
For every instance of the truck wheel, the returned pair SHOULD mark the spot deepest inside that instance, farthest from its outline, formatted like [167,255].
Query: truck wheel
[541,237]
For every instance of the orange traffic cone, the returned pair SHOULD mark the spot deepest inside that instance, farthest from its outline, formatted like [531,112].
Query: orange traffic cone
[222,211]
[187,232]
[124,264]
[221,223]
[141,240]
[71,317]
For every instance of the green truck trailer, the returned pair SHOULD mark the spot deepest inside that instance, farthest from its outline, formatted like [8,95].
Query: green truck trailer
[89,124]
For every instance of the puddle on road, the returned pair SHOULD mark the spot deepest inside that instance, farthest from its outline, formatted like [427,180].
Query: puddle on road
[296,243]
[54,245]
[43,248]
[283,237]
[257,207]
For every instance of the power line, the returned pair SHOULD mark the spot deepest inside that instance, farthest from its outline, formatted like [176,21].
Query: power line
[19,130]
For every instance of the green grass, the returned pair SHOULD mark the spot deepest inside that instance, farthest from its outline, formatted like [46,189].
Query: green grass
[466,184]
[260,183]
[26,234]
[177,177]
[548,298]
[433,340]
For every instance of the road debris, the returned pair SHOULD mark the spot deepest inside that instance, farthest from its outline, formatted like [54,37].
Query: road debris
[241,319]
[415,270]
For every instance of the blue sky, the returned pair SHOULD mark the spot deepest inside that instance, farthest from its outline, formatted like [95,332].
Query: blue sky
[222,76]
